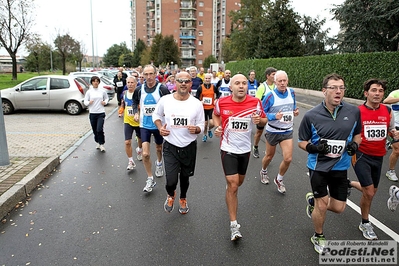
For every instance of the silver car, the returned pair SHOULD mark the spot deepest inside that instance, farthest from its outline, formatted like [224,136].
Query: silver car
[51,92]
[105,83]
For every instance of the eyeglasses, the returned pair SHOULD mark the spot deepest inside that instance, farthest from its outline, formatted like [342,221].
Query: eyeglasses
[335,88]
[141,77]
[183,80]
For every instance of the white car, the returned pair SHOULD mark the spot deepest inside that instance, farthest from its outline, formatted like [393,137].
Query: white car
[51,92]
[105,84]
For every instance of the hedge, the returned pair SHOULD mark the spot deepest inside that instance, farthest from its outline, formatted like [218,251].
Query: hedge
[308,72]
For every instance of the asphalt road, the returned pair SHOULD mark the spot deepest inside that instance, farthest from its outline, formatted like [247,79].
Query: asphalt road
[92,211]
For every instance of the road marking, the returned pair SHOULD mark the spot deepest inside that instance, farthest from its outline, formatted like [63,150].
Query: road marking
[375,222]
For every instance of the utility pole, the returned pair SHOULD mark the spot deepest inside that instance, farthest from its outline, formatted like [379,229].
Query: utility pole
[4,157]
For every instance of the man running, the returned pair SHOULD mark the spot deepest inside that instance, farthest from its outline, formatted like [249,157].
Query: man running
[207,94]
[233,117]
[280,107]
[147,96]
[263,89]
[330,133]
[183,118]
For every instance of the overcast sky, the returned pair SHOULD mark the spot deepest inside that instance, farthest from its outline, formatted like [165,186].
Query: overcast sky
[111,20]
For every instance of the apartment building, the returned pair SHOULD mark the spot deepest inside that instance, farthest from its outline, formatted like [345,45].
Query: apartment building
[198,26]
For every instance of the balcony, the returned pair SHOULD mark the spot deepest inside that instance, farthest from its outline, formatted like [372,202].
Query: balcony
[187,37]
[187,56]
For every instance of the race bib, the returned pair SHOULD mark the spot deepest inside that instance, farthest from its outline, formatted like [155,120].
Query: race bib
[252,92]
[225,93]
[375,132]
[239,124]
[179,121]
[148,109]
[207,101]
[129,111]
[287,117]
[335,148]
[119,84]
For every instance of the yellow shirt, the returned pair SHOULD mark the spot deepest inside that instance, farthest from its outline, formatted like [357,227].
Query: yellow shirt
[201,76]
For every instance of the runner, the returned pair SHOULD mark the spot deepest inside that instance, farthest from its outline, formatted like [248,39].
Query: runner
[280,107]
[130,124]
[147,96]
[232,118]
[183,118]
[263,89]
[207,94]
[330,133]
[376,124]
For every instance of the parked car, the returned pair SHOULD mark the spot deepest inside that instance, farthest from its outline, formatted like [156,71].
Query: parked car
[105,84]
[51,92]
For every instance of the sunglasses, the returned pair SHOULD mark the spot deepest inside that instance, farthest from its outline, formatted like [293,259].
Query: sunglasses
[183,80]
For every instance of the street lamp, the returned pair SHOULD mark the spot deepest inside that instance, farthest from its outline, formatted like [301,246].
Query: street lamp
[92,36]
[97,57]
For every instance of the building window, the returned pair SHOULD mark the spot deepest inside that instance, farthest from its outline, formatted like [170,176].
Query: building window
[200,42]
[200,52]
[200,33]
[200,62]
[201,4]
[201,14]
[200,23]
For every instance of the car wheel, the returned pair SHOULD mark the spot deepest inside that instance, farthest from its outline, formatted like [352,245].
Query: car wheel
[73,108]
[7,107]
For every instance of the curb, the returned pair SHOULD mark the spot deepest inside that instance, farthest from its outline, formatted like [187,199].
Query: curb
[22,189]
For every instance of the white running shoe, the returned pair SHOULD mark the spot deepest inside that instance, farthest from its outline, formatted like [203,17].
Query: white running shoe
[235,233]
[102,148]
[280,186]
[264,178]
[158,169]
[97,145]
[393,200]
[139,154]
[131,165]
[149,184]
[391,175]
[368,231]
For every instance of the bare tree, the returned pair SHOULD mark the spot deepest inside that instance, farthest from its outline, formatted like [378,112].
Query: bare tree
[16,19]
[66,47]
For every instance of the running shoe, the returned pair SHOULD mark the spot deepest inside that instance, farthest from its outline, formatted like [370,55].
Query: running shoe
[310,204]
[319,243]
[264,178]
[388,144]
[183,209]
[235,233]
[393,200]
[168,206]
[158,169]
[280,185]
[210,134]
[139,154]
[368,231]
[204,138]
[149,184]
[131,165]
[391,175]
[97,145]
[256,152]
[102,149]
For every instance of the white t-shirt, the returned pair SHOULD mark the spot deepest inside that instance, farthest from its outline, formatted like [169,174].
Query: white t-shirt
[178,115]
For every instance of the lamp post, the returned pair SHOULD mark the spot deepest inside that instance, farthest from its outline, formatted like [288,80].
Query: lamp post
[4,156]
[92,36]
[97,57]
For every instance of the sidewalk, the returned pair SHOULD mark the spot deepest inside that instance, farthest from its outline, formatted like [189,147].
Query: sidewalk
[37,147]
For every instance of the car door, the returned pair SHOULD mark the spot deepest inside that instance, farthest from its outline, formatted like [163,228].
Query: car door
[33,94]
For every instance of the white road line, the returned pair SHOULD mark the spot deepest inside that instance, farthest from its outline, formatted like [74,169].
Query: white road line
[375,222]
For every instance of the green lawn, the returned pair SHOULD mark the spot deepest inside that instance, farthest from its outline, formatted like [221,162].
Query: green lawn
[7,82]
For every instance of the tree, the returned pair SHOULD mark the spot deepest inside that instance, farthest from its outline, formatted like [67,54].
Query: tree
[283,32]
[137,53]
[111,57]
[16,20]
[168,51]
[209,60]
[314,39]
[155,48]
[367,25]
[38,58]
[67,47]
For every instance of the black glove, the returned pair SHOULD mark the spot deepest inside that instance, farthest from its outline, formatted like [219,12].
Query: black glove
[351,148]
[321,148]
